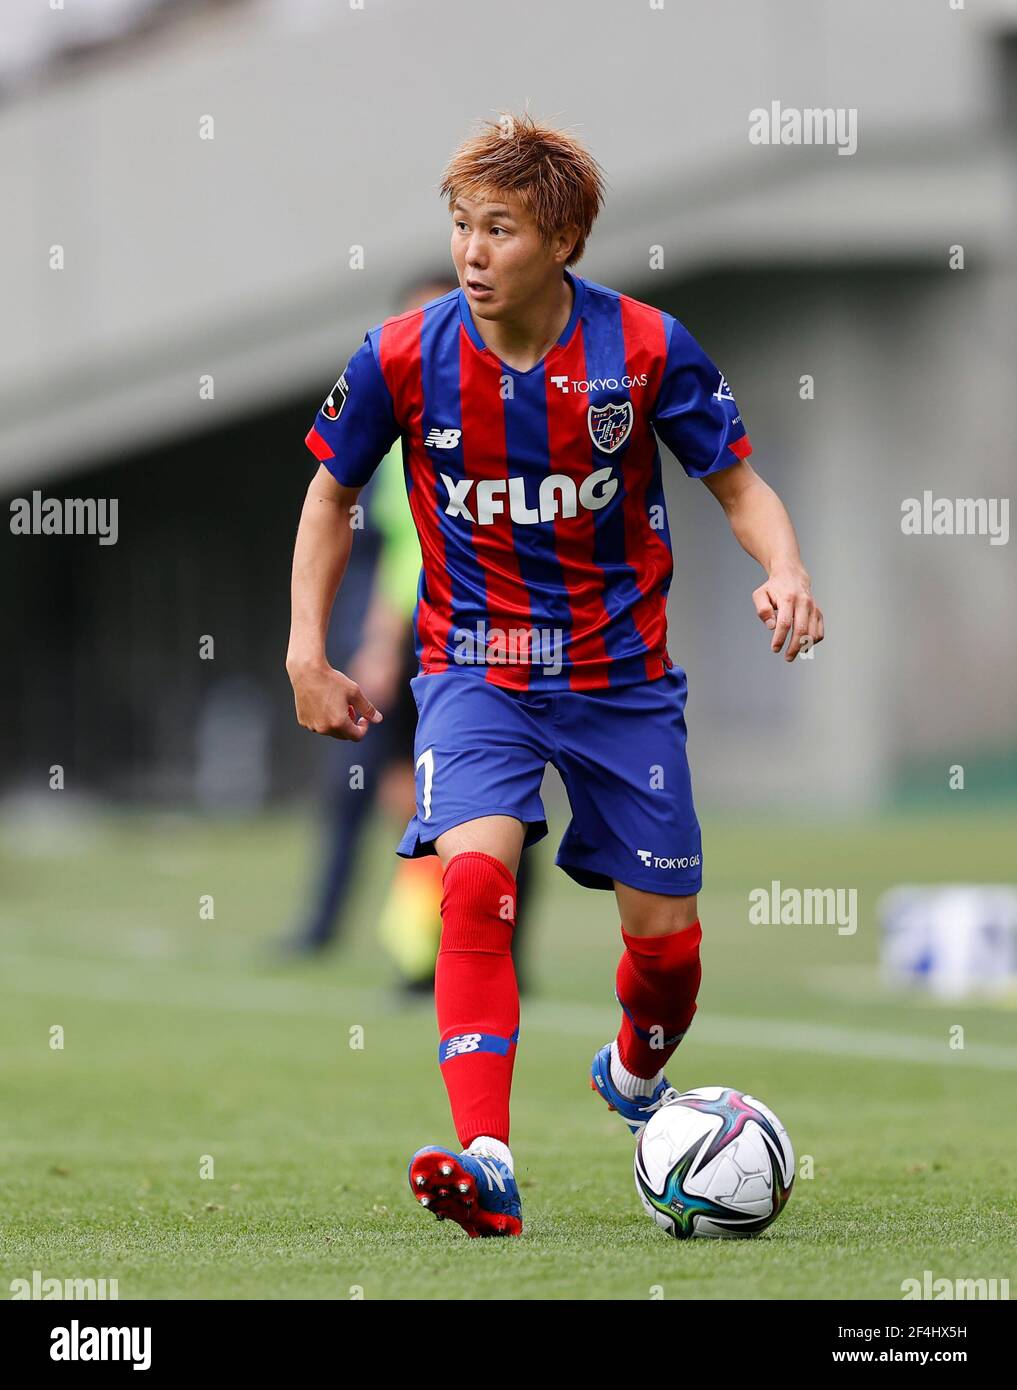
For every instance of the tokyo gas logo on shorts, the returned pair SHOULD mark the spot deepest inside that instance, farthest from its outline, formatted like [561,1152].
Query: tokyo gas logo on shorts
[663,861]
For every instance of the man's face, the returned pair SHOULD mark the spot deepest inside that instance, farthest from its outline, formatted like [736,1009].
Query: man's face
[499,256]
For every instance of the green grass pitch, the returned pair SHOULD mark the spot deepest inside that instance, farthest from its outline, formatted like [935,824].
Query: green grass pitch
[184,1038]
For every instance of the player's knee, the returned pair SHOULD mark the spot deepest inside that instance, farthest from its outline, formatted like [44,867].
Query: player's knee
[662,915]
[478,906]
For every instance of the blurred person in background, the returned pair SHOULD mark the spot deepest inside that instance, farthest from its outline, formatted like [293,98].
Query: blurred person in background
[384,656]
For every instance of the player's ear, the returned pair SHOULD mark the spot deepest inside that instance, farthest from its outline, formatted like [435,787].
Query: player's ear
[565,242]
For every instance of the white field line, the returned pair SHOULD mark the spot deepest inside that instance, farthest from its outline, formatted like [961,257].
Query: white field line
[155,986]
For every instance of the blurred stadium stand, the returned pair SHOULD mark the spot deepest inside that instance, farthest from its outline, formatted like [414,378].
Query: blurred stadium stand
[231,257]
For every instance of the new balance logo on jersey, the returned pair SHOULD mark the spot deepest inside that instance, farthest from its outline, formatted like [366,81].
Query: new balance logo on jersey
[442,439]
[557,496]
[466,1042]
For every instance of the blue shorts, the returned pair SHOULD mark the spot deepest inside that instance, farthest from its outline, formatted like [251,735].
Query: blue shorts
[481,750]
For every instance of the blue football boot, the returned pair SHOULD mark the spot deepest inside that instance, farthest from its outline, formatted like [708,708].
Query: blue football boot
[635,1111]
[477,1192]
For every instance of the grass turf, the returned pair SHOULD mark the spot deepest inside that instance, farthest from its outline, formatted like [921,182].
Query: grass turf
[185,1039]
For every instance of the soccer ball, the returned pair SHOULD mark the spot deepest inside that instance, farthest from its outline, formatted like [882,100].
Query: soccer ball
[714,1162]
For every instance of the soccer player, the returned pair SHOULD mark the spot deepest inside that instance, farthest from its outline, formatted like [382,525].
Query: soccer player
[529,402]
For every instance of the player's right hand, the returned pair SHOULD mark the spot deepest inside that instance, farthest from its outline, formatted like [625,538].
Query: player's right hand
[328,702]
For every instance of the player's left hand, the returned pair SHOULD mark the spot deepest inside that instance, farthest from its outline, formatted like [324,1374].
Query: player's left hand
[785,605]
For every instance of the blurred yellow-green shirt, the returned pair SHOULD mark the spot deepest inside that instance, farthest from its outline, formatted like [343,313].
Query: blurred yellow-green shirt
[399,562]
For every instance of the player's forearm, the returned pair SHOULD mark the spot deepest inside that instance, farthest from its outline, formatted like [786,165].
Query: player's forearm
[761,525]
[320,556]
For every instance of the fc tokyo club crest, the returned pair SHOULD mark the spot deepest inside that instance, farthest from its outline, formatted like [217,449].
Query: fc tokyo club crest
[333,406]
[610,425]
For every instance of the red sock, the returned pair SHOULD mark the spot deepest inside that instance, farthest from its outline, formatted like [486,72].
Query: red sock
[656,985]
[475,994]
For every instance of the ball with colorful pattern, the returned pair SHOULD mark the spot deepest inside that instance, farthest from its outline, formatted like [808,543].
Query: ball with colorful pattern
[714,1162]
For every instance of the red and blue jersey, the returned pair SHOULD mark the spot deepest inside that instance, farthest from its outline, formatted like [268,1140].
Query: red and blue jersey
[536,495]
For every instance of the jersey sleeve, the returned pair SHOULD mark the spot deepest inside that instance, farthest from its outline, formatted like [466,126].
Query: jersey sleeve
[356,425]
[695,413]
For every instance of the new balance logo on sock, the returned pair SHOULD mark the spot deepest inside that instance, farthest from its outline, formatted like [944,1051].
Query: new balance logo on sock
[464,1043]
